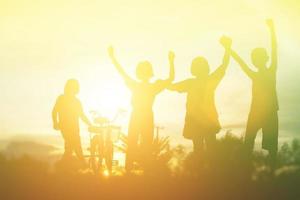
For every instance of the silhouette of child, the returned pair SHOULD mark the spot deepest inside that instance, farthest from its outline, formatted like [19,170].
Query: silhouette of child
[201,120]
[65,115]
[143,94]
[264,107]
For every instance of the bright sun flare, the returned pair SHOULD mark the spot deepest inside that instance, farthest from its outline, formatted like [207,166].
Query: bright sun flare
[108,100]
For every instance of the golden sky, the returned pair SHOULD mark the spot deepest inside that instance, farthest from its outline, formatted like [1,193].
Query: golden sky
[44,43]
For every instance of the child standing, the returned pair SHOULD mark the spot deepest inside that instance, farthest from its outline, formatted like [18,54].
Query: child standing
[65,115]
[143,95]
[201,120]
[264,107]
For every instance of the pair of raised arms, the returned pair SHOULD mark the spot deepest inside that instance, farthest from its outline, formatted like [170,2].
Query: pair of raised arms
[226,43]
[128,78]
[274,56]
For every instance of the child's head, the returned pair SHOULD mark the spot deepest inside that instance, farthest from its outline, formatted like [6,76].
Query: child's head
[259,57]
[72,87]
[200,67]
[144,71]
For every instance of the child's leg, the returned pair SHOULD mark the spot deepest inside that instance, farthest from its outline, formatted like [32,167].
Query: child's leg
[198,144]
[131,149]
[76,143]
[253,125]
[270,136]
[132,141]
[147,135]
[210,141]
[93,147]
[67,145]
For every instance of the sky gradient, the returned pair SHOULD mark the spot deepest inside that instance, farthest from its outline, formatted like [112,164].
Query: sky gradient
[44,43]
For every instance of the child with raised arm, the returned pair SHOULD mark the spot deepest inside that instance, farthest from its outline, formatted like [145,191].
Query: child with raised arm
[143,95]
[201,119]
[65,115]
[264,107]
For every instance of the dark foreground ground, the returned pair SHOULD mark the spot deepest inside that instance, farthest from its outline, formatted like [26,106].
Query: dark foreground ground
[174,175]
[29,179]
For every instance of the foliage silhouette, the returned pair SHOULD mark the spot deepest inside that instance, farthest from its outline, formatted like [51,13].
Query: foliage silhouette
[26,178]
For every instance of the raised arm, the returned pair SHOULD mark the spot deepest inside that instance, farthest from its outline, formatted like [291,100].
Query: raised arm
[54,115]
[163,84]
[242,63]
[119,68]
[274,55]
[220,71]
[172,68]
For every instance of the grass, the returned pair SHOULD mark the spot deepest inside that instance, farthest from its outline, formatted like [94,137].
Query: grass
[175,174]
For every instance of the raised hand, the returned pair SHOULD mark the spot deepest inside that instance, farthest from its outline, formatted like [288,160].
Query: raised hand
[274,56]
[119,68]
[111,52]
[171,56]
[226,42]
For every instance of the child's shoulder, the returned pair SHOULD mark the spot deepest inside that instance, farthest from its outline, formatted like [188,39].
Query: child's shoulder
[60,97]
[63,97]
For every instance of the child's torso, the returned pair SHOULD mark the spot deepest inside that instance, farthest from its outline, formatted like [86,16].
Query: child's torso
[264,95]
[143,95]
[200,98]
[69,109]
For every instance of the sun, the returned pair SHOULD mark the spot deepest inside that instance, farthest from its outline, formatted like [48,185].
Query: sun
[107,100]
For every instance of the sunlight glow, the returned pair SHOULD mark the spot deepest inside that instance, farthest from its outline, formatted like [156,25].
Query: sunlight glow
[106,173]
[107,100]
